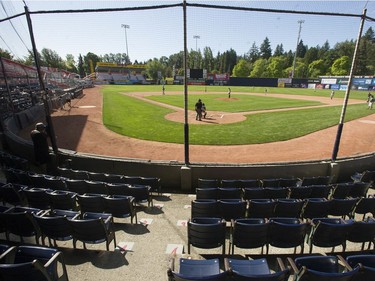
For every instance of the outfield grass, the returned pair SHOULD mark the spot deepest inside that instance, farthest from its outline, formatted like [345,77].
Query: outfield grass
[132,117]
[239,103]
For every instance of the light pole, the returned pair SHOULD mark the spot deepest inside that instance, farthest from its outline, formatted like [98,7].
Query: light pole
[295,54]
[125,26]
[196,37]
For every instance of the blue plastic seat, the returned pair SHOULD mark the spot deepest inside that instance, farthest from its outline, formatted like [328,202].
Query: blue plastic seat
[255,270]
[191,269]
[321,268]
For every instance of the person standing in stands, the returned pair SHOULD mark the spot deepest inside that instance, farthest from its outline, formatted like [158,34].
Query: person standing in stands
[198,110]
[39,137]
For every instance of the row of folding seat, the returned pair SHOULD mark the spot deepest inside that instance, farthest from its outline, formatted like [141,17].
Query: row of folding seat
[139,192]
[153,182]
[79,185]
[117,205]
[58,225]
[12,161]
[295,208]
[27,262]
[266,182]
[211,232]
[342,190]
[306,268]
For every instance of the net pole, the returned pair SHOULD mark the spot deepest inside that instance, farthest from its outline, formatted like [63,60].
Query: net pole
[347,92]
[51,130]
[186,122]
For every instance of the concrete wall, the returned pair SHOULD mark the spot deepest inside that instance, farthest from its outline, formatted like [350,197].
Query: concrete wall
[176,177]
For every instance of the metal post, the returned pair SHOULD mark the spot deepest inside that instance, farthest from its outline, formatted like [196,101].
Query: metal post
[346,98]
[295,54]
[51,130]
[186,105]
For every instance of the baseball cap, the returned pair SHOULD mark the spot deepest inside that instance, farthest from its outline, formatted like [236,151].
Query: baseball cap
[40,125]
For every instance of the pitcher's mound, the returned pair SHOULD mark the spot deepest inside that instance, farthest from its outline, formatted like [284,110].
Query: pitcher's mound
[212,117]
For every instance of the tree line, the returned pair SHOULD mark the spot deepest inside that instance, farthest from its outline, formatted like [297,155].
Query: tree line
[259,61]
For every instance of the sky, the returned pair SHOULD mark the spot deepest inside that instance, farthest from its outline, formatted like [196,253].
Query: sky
[156,33]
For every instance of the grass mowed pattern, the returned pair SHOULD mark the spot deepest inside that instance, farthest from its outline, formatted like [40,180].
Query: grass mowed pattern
[138,119]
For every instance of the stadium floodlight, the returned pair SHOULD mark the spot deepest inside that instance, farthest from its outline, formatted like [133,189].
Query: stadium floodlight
[125,26]
[300,22]
[196,37]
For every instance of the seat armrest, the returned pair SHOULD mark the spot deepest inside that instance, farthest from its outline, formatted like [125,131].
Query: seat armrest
[293,265]
[52,259]
[227,266]
[9,255]
[281,264]
[344,263]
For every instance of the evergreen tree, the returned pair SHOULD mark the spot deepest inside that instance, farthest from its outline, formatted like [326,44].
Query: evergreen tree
[265,49]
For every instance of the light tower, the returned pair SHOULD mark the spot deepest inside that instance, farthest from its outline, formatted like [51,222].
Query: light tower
[300,22]
[125,26]
[196,37]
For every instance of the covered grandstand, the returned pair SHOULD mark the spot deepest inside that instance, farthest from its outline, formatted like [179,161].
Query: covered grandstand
[112,73]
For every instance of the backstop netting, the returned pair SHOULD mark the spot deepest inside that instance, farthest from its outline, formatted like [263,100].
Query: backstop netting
[217,35]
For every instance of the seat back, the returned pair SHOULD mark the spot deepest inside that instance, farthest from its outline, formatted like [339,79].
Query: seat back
[365,206]
[205,208]
[118,189]
[97,187]
[362,232]
[207,193]
[342,207]
[359,189]
[316,208]
[204,183]
[54,227]
[206,233]
[249,183]
[300,192]
[76,185]
[329,232]
[65,200]
[90,203]
[254,193]
[19,221]
[229,193]
[319,180]
[342,190]
[261,208]
[249,233]
[232,209]
[37,198]
[55,183]
[276,192]
[290,208]
[230,183]
[320,191]
[141,194]
[287,233]
[120,206]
